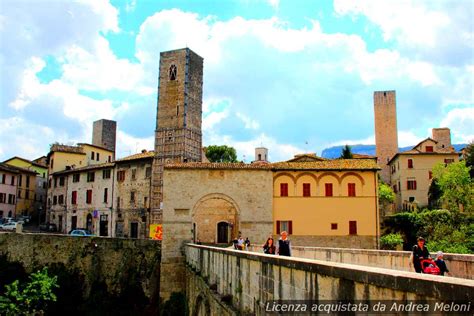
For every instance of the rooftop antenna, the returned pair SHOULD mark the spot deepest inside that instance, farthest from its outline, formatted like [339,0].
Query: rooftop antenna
[306,146]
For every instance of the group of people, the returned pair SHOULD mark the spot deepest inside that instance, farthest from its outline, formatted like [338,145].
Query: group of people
[420,252]
[241,244]
[282,248]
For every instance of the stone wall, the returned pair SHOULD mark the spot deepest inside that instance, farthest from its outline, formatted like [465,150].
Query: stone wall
[459,265]
[114,273]
[247,281]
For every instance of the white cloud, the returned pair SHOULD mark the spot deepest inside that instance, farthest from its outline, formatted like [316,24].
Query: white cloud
[129,145]
[409,138]
[461,123]
[249,123]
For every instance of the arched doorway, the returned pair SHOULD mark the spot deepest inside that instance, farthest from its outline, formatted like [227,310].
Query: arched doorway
[216,219]
[223,233]
[89,223]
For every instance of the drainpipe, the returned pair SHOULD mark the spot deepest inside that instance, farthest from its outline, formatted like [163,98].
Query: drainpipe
[377,215]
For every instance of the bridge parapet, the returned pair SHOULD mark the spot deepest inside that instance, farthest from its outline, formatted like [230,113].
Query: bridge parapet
[246,281]
[459,265]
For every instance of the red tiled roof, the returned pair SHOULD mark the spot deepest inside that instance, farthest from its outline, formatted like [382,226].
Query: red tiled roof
[145,155]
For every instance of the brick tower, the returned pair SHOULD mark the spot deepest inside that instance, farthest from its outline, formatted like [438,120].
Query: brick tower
[386,135]
[178,136]
[104,134]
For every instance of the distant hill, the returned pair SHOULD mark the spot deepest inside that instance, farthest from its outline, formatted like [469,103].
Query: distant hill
[335,152]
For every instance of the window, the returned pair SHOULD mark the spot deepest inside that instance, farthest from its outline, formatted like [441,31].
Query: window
[27,181]
[328,189]
[148,172]
[134,174]
[92,155]
[89,196]
[259,156]
[410,163]
[446,161]
[284,226]
[145,201]
[11,199]
[430,175]
[333,226]
[20,178]
[121,175]
[49,183]
[411,185]
[106,174]
[399,187]
[429,149]
[395,188]
[61,199]
[110,158]
[351,189]
[55,200]
[4,178]
[74,197]
[13,181]
[97,157]
[132,197]
[306,189]
[3,197]
[173,72]
[352,227]
[76,177]
[55,182]
[411,199]
[61,181]
[27,194]
[19,194]
[90,176]
[106,191]
[283,189]
[52,163]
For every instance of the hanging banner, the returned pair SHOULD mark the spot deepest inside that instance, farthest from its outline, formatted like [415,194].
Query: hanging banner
[156,231]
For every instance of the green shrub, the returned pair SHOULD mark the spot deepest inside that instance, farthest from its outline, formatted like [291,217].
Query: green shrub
[391,241]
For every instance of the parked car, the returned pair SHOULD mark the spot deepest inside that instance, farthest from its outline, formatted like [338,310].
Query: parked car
[48,227]
[25,218]
[9,226]
[80,232]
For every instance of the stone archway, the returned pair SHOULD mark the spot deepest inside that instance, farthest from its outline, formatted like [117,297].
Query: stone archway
[201,307]
[212,214]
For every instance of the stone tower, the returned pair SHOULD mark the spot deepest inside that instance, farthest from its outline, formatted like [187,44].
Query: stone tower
[443,137]
[178,136]
[386,135]
[261,154]
[104,134]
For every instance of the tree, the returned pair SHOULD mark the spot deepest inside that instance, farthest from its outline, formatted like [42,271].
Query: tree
[30,298]
[434,195]
[221,153]
[386,196]
[346,152]
[469,158]
[456,185]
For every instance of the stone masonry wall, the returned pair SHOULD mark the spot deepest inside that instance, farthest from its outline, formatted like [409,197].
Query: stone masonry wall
[106,270]
[247,281]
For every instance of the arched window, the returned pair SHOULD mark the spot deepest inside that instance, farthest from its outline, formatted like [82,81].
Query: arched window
[173,71]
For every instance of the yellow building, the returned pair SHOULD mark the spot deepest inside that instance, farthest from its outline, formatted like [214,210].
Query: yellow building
[411,170]
[26,188]
[327,202]
[41,169]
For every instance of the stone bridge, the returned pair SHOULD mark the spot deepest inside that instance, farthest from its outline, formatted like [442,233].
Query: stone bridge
[222,281]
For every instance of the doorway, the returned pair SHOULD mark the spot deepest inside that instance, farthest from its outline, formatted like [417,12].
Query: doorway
[134,230]
[73,222]
[222,233]
[60,223]
[104,225]
[89,223]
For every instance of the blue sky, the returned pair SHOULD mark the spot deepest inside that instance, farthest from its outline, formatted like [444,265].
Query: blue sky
[294,76]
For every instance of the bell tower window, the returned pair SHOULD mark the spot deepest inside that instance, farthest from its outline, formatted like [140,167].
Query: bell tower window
[173,71]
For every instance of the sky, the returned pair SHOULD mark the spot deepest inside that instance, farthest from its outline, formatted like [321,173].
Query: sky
[294,76]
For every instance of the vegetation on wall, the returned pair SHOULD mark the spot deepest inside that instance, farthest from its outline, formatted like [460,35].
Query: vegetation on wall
[391,241]
[221,153]
[31,297]
[448,231]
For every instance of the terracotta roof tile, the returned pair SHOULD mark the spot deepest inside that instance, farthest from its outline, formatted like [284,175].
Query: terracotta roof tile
[86,168]
[339,164]
[148,154]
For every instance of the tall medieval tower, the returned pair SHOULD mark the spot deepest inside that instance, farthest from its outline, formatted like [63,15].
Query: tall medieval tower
[386,135]
[178,135]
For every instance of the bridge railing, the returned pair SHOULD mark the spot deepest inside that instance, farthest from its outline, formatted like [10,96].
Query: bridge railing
[250,280]
[459,265]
